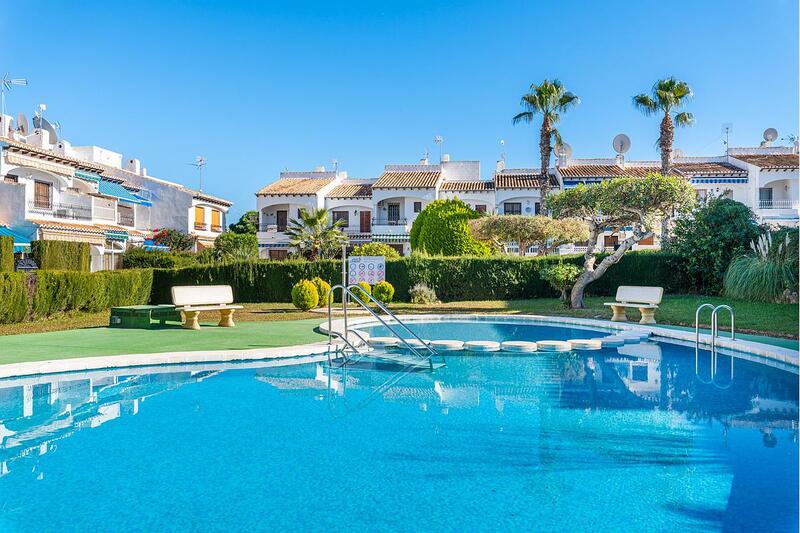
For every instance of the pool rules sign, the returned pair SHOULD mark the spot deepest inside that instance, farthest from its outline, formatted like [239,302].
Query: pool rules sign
[371,269]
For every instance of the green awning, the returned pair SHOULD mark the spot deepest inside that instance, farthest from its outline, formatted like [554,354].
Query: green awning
[87,176]
[116,235]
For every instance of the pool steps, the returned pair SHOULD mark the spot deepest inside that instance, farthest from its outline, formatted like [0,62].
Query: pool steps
[611,341]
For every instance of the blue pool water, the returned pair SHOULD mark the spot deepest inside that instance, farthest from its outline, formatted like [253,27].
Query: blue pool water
[629,439]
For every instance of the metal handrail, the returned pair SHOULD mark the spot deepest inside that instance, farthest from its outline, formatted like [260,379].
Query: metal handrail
[347,292]
[714,334]
[715,325]
[400,322]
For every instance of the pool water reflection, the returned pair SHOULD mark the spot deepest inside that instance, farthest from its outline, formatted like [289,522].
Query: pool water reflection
[633,439]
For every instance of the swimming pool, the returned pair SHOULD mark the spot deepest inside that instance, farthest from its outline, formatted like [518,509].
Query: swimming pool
[631,438]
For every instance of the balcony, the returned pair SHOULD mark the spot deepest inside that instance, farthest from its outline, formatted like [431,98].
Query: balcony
[389,222]
[272,228]
[68,211]
[778,204]
[200,226]
[216,228]
[125,220]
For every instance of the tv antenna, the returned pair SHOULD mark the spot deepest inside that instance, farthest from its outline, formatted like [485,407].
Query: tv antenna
[440,141]
[5,85]
[199,163]
[502,149]
[727,128]
[335,163]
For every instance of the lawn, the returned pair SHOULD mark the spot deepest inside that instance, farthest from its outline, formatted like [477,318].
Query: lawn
[751,317]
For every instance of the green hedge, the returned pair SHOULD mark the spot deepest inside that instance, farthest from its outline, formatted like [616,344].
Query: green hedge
[453,278]
[6,253]
[61,255]
[55,292]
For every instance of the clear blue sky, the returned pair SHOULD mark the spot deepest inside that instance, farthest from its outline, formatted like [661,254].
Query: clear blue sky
[257,87]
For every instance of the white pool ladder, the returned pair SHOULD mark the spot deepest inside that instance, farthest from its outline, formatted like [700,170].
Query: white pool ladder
[714,335]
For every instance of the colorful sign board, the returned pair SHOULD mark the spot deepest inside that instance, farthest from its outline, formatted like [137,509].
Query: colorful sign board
[371,269]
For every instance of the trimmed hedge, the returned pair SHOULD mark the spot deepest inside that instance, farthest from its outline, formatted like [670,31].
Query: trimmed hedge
[453,278]
[61,255]
[6,253]
[47,293]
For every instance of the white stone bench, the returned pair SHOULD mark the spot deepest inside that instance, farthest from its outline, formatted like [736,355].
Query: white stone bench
[191,299]
[645,299]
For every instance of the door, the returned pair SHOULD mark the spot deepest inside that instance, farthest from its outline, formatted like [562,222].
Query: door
[610,241]
[216,220]
[200,218]
[281,217]
[41,195]
[394,213]
[365,221]
[278,255]
[765,198]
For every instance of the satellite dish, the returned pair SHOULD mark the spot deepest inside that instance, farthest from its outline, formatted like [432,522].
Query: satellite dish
[621,143]
[564,150]
[43,124]
[770,134]
[22,124]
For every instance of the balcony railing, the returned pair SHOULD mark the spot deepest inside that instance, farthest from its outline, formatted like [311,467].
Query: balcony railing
[389,222]
[125,220]
[272,228]
[778,204]
[216,228]
[61,210]
[200,226]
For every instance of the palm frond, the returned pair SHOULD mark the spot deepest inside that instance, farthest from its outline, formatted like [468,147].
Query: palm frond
[645,104]
[684,119]
[525,116]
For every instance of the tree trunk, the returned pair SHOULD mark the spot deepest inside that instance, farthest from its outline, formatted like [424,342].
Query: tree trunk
[544,150]
[523,247]
[665,139]
[590,273]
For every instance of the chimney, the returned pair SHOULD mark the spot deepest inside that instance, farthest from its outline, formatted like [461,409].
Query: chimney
[621,160]
[501,165]
[5,125]
[133,165]
[319,168]
[445,158]
[424,161]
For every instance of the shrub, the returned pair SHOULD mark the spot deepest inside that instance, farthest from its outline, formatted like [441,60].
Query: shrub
[323,288]
[383,291]
[14,297]
[305,295]
[707,242]
[61,255]
[442,228]
[137,257]
[248,223]
[175,240]
[374,249]
[422,294]
[236,246]
[561,277]
[6,253]
[363,291]
[766,275]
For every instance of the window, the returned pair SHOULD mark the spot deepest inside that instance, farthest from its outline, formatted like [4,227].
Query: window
[216,220]
[11,178]
[417,207]
[393,213]
[344,216]
[537,208]
[42,195]
[199,218]
[480,208]
[512,208]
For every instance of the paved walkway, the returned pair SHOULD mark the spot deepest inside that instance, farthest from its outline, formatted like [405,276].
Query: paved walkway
[92,342]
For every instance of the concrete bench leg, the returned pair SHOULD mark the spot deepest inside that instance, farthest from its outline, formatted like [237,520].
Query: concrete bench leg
[226,318]
[190,319]
[648,315]
[619,314]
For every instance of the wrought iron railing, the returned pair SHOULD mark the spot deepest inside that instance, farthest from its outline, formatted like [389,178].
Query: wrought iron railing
[61,210]
[200,226]
[389,221]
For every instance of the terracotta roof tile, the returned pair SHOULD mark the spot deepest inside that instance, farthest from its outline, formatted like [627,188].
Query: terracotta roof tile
[606,171]
[96,229]
[416,179]
[294,187]
[770,161]
[351,190]
[521,179]
[709,168]
[468,186]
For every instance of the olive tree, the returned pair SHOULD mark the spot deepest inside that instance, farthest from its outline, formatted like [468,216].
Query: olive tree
[527,231]
[639,203]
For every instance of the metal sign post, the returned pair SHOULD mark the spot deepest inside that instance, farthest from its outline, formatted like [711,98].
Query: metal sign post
[344,284]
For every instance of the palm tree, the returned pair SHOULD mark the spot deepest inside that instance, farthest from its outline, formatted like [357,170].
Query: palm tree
[313,235]
[548,99]
[667,96]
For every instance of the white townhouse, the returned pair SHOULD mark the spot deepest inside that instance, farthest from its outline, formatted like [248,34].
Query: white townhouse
[52,190]
[773,189]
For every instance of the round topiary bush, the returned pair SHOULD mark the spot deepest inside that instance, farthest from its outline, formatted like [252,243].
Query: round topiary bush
[363,291]
[323,288]
[305,295]
[383,291]
[442,228]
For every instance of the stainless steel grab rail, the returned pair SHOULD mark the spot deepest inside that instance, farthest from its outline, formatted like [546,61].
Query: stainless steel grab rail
[714,334]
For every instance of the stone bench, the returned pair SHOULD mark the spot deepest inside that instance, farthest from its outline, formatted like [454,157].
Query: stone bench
[192,299]
[645,299]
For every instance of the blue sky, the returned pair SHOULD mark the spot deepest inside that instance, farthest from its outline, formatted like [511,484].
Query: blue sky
[258,87]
